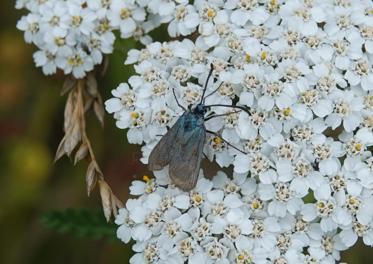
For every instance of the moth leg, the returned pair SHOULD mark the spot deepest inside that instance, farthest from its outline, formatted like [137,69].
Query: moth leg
[213,116]
[177,101]
[229,144]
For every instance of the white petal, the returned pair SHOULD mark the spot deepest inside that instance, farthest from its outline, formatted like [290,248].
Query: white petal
[141,233]
[348,237]
[182,201]
[185,221]
[137,214]
[323,108]
[276,208]
[124,233]
[309,212]
[215,196]
[241,163]
[137,188]
[268,177]
[232,201]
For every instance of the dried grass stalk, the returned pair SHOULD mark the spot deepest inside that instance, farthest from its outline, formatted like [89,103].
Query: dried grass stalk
[82,96]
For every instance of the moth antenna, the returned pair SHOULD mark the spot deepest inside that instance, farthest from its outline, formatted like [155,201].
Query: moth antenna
[177,101]
[217,89]
[207,81]
[230,106]
[214,116]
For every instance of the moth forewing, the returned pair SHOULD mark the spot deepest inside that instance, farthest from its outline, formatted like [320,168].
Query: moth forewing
[160,155]
[185,162]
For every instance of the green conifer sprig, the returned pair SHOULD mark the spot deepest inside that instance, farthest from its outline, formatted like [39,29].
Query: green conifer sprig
[80,223]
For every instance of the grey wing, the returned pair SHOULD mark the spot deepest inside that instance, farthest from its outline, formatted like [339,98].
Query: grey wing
[161,153]
[186,161]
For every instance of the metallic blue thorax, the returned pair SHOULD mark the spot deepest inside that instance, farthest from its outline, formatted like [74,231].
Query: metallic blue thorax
[194,119]
[191,121]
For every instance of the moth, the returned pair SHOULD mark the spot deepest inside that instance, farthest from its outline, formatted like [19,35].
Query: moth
[181,148]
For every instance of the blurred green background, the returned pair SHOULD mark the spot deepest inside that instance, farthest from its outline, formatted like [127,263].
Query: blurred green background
[31,118]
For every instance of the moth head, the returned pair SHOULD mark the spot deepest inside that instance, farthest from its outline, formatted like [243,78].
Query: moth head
[200,110]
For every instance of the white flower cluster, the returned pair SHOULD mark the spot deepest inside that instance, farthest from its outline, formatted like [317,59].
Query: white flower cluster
[304,71]
[73,35]
[244,220]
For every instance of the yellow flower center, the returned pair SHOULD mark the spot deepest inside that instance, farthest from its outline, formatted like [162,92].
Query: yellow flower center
[248,57]
[255,205]
[125,13]
[75,60]
[134,115]
[287,111]
[211,13]
[263,56]
[146,178]
[59,41]
[76,20]
[358,147]
[104,26]
[217,140]
[198,198]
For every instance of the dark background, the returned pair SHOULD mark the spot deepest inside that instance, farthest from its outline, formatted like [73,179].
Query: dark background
[31,118]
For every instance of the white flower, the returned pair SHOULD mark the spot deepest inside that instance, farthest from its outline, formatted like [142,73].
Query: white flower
[100,45]
[46,60]
[80,19]
[31,25]
[346,47]
[76,62]
[347,109]
[125,14]
[55,14]
[59,41]
[360,72]
[325,247]
[163,7]
[185,21]
[124,231]
[213,25]
[124,98]
[301,18]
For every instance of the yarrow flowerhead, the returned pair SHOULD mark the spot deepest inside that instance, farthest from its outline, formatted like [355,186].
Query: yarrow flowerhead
[75,35]
[241,220]
[302,189]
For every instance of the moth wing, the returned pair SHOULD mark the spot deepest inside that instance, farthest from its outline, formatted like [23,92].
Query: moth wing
[185,162]
[161,153]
